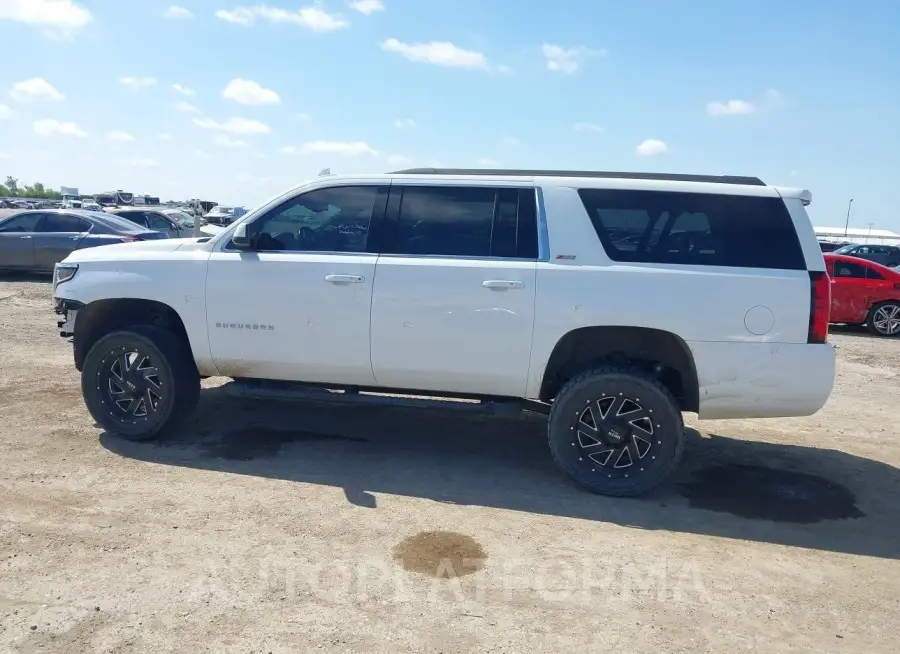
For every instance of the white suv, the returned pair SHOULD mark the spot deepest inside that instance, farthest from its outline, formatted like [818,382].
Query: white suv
[615,301]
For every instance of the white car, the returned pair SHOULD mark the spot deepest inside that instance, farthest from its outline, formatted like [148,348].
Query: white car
[613,301]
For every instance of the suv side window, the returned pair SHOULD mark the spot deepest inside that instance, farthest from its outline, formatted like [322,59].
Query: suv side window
[63,223]
[847,269]
[158,223]
[26,222]
[336,219]
[694,229]
[474,221]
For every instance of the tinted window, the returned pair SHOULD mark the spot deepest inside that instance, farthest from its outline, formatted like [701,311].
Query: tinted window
[327,220]
[847,269]
[464,221]
[57,222]
[25,222]
[159,223]
[871,273]
[136,217]
[694,228]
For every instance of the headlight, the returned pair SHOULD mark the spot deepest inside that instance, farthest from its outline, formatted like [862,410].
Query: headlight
[63,272]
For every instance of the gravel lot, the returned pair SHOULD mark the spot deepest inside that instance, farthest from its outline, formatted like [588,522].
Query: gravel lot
[279,527]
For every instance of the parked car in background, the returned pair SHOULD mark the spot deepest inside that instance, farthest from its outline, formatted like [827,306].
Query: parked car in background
[831,246]
[886,255]
[224,215]
[91,206]
[864,293]
[152,219]
[184,219]
[37,240]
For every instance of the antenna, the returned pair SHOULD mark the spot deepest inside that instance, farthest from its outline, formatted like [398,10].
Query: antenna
[324,171]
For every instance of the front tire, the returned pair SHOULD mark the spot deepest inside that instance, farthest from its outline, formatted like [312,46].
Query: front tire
[616,431]
[884,319]
[139,382]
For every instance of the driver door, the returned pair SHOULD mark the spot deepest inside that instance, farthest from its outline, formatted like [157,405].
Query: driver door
[297,305]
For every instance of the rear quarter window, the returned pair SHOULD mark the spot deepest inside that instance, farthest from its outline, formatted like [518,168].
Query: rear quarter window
[694,229]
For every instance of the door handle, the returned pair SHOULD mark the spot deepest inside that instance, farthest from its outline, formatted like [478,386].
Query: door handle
[502,284]
[344,279]
[24,237]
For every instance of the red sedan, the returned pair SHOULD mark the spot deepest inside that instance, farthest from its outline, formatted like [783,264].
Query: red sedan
[864,292]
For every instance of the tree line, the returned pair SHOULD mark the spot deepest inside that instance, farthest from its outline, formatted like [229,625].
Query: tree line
[11,189]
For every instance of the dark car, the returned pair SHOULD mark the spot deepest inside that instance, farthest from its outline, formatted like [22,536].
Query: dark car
[152,219]
[830,246]
[886,255]
[36,240]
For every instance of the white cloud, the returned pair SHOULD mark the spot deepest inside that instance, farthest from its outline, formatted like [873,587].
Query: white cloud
[402,123]
[174,12]
[137,83]
[120,136]
[490,163]
[6,113]
[184,90]
[311,17]
[200,154]
[246,91]
[652,147]
[234,125]
[587,127]
[439,53]
[51,127]
[511,141]
[398,160]
[566,60]
[164,137]
[367,7]
[225,141]
[504,69]
[59,18]
[139,162]
[346,148]
[186,108]
[730,108]
[36,89]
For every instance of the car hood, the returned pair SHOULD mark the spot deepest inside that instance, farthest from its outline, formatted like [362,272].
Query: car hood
[133,251]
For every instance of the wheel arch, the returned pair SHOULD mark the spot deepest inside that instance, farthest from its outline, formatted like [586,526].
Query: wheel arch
[101,317]
[658,351]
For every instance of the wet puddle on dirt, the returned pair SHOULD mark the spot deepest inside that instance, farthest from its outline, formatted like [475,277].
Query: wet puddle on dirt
[441,554]
[248,443]
[769,494]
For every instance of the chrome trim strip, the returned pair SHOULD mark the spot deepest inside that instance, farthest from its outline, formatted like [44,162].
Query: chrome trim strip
[543,231]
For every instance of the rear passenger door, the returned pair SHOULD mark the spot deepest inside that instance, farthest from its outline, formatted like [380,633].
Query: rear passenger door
[59,235]
[848,292]
[17,240]
[454,292]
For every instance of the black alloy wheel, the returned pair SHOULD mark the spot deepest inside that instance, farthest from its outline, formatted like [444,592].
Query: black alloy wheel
[616,431]
[139,382]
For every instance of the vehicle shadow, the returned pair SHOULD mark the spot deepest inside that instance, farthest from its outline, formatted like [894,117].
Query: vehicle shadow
[726,487]
[32,277]
[859,331]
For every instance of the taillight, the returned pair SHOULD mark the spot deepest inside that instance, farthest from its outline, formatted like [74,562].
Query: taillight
[819,307]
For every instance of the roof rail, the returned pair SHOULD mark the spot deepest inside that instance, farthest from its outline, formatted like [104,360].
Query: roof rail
[673,177]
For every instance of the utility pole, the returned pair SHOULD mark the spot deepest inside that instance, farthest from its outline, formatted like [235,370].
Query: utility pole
[869,237]
[847,223]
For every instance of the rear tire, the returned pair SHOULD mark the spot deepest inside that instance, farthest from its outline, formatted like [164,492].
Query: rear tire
[884,319]
[616,431]
[140,382]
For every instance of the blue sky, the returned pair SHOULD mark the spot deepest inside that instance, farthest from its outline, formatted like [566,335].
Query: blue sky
[802,93]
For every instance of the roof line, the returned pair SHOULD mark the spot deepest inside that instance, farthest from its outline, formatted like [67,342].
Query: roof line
[512,172]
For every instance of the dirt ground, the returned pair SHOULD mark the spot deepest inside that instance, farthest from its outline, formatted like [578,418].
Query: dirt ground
[284,527]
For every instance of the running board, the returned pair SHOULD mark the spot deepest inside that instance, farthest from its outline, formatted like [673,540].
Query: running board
[296,392]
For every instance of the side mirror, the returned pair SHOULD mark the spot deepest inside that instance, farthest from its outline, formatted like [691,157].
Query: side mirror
[241,239]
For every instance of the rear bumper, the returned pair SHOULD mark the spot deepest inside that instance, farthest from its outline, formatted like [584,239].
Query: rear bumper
[762,380]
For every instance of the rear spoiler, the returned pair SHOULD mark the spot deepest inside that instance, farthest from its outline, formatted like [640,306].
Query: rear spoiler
[795,193]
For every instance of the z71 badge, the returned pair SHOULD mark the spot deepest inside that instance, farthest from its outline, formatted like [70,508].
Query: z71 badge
[245,325]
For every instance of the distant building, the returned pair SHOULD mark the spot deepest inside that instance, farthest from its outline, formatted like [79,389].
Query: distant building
[858,235]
